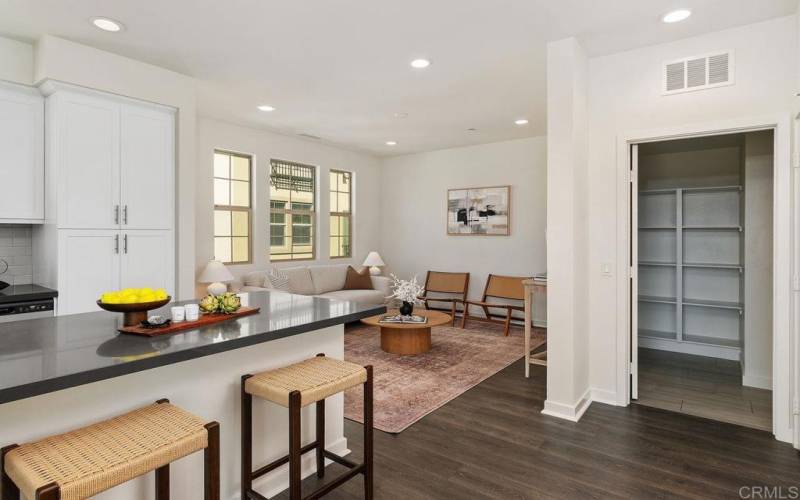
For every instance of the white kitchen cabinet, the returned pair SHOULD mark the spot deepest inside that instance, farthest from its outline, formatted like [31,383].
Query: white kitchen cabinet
[147,260]
[22,158]
[85,158]
[90,263]
[102,260]
[110,196]
[146,168]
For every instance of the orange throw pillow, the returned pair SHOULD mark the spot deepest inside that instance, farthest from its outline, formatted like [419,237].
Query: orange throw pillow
[357,280]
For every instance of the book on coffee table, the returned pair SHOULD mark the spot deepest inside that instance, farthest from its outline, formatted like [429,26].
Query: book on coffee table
[399,318]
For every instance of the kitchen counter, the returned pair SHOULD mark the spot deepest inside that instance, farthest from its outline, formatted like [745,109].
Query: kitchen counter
[66,372]
[50,354]
[19,293]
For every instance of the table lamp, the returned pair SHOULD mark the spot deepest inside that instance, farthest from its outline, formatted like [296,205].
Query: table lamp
[217,274]
[375,263]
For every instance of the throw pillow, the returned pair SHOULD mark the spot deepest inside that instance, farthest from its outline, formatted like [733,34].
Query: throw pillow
[357,280]
[279,280]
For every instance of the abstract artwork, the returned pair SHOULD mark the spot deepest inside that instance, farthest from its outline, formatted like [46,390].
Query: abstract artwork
[479,211]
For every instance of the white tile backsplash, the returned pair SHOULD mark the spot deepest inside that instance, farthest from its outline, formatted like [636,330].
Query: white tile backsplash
[15,249]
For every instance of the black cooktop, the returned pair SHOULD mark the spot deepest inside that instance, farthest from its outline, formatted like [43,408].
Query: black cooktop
[21,293]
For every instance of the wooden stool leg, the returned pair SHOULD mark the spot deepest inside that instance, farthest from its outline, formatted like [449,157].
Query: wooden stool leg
[508,322]
[321,438]
[9,490]
[162,482]
[48,492]
[247,440]
[211,455]
[294,445]
[453,314]
[368,445]
[464,315]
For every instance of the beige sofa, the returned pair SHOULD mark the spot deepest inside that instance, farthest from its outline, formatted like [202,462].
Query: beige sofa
[322,281]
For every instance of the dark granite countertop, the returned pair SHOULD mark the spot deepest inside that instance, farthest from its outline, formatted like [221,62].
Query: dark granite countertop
[19,293]
[39,356]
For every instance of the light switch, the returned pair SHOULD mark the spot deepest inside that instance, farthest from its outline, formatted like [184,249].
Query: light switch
[605,269]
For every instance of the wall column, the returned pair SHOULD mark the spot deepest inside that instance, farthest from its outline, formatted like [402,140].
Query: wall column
[567,231]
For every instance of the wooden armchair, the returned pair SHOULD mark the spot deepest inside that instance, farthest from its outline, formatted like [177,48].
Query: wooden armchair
[508,288]
[449,288]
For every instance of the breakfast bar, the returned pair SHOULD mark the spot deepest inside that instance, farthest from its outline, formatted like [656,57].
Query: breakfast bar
[64,372]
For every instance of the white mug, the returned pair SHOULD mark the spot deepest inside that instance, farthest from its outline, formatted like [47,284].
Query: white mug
[192,312]
[178,314]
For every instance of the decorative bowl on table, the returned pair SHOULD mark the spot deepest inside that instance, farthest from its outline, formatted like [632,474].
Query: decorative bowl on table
[134,314]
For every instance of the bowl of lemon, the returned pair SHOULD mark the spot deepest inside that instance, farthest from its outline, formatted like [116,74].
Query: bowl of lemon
[133,303]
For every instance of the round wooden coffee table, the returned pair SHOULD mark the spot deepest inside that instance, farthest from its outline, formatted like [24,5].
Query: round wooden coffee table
[404,338]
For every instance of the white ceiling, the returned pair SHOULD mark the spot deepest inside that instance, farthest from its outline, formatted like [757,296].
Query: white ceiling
[338,69]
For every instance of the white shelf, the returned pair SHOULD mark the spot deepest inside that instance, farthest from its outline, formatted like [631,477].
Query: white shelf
[714,228]
[657,334]
[712,265]
[657,300]
[717,304]
[705,339]
[704,225]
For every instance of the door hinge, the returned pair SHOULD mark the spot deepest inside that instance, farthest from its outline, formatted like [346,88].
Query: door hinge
[630,368]
[796,283]
[795,408]
[631,270]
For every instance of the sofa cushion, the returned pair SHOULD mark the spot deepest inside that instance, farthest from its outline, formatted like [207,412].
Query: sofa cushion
[278,279]
[360,296]
[357,280]
[299,280]
[328,278]
[257,278]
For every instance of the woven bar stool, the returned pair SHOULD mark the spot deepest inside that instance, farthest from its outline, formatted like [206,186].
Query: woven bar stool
[295,386]
[84,462]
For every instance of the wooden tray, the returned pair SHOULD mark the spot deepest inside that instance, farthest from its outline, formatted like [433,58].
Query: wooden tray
[204,320]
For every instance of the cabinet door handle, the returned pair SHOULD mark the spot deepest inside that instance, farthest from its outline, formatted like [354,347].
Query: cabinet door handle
[125,244]
[116,243]
[125,214]
[116,214]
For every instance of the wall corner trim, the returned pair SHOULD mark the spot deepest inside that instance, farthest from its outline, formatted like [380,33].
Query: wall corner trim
[573,412]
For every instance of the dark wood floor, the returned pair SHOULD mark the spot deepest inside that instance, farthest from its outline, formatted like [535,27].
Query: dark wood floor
[703,387]
[493,442]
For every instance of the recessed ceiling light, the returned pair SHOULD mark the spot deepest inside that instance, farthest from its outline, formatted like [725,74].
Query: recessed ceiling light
[420,63]
[401,115]
[107,24]
[391,143]
[521,121]
[265,107]
[676,15]
[472,129]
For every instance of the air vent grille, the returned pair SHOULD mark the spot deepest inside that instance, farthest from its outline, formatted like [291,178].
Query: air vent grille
[676,76]
[698,72]
[718,69]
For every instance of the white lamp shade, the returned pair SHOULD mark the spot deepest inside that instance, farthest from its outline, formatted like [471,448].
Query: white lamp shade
[374,259]
[214,272]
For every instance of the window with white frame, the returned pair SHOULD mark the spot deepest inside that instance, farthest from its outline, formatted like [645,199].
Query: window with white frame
[292,194]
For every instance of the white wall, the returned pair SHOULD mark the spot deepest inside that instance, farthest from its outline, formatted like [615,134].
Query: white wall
[567,243]
[414,204]
[624,95]
[758,178]
[16,61]
[213,134]
[70,62]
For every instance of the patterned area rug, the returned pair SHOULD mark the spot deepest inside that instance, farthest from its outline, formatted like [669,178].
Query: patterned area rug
[406,388]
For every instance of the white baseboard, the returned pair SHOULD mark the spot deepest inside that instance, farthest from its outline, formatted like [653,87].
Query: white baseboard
[278,480]
[707,350]
[605,397]
[572,412]
[757,381]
